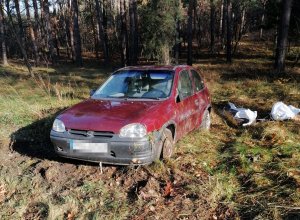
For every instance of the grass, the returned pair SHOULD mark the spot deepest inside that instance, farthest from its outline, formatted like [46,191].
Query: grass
[229,172]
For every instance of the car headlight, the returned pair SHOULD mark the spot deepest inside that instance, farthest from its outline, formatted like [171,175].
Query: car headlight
[134,130]
[58,126]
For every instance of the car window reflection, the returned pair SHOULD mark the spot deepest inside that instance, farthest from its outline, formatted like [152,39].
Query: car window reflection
[137,85]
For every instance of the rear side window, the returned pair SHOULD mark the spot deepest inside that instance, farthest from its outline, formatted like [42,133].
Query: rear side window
[199,85]
[184,85]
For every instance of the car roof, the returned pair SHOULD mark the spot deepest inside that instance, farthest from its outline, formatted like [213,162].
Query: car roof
[156,67]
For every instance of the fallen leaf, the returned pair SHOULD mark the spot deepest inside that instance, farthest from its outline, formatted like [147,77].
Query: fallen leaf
[168,189]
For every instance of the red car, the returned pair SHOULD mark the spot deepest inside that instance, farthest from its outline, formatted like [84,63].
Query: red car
[135,117]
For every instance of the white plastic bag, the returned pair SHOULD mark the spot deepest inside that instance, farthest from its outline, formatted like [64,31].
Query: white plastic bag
[243,113]
[281,111]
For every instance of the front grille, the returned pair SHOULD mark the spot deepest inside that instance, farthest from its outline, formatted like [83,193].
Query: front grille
[103,134]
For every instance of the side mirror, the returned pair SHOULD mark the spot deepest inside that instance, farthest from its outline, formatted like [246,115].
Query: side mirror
[92,92]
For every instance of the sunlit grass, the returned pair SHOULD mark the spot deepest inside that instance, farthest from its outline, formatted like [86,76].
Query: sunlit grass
[24,99]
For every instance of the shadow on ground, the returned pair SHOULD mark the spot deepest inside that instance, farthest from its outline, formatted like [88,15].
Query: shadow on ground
[34,141]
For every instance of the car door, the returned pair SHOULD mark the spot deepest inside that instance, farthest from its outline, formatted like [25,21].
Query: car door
[199,97]
[184,104]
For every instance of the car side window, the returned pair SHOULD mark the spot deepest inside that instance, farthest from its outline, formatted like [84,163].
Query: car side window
[185,88]
[199,85]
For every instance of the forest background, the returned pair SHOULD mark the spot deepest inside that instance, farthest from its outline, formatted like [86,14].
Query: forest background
[54,51]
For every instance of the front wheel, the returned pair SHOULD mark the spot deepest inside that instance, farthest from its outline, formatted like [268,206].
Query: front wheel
[168,144]
[206,121]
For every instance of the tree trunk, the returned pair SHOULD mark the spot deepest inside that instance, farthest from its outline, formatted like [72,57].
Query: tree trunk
[96,40]
[37,28]
[105,24]
[240,29]
[55,33]
[199,32]
[18,39]
[64,18]
[223,23]
[69,31]
[104,13]
[243,21]
[102,37]
[43,34]
[283,30]
[32,36]
[76,33]
[229,31]
[36,18]
[165,55]
[2,36]
[212,26]
[177,42]
[20,23]
[124,36]
[133,32]
[190,33]
[221,20]
[48,32]
[262,20]
[195,5]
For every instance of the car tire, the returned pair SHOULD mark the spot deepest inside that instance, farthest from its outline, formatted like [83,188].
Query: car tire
[167,145]
[206,121]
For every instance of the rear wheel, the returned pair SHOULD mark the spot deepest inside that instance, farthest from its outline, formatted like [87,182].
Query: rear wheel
[168,144]
[206,121]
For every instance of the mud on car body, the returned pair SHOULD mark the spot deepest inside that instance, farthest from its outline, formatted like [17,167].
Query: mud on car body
[135,117]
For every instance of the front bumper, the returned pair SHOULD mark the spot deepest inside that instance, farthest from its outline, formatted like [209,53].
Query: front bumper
[120,151]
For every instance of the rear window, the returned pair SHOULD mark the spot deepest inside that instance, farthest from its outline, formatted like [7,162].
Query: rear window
[184,85]
[199,84]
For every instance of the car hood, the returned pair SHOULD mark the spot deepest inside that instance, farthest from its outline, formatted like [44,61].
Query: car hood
[106,115]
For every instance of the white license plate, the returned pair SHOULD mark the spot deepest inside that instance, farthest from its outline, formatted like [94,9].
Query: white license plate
[88,147]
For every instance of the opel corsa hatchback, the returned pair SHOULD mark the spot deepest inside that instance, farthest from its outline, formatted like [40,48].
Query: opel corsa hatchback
[135,117]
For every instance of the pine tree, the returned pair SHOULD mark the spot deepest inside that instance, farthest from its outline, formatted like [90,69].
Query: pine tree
[158,28]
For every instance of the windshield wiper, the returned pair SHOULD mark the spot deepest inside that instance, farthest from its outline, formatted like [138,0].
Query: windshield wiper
[154,98]
[132,97]
[116,97]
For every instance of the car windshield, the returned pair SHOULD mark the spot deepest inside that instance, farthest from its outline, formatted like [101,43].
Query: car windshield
[137,84]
